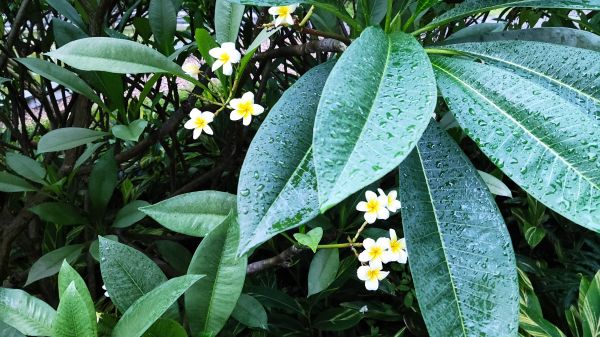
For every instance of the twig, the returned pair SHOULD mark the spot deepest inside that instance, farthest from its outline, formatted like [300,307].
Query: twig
[325,45]
[283,259]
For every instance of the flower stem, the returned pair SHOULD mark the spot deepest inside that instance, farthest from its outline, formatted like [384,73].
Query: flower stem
[441,51]
[339,245]
[307,16]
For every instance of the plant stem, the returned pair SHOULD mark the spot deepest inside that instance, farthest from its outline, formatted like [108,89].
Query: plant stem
[339,245]
[307,16]
[362,228]
[388,15]
[440,51]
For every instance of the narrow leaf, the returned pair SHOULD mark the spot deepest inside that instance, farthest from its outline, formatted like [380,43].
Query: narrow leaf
[65,32]
[64,8]
[163,22]
[26,167]
[50,263]
[228,17]
[102,182]
[67,138]
[495,185]
[29,315]
[59,213]
[250,312]
[130,214]
[322,271]
[10,183]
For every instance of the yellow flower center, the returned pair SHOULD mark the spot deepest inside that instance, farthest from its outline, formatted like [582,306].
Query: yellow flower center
[200,123]
[373,206]
[396,246]
[224,57]
[245,108]
[375,252]
[372,274]
[390,200]
[283,11]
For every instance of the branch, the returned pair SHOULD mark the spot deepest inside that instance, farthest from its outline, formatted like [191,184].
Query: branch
[283,259]
[325,45]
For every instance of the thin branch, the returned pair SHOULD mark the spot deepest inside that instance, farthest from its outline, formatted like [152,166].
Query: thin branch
[283,259]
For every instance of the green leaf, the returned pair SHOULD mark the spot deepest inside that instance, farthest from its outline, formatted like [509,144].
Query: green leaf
[68,276]
[11,183]
[72,318]
[495,185]
[150,307]
[26,167]
[469,7]
[534,235]
[310,239]
[205,43]
[371,12]
[476,31]
[337,319]
[59,213]
[131,132]
[102,182]
[209,302]
[519,122]
[163,22]
[275,299]
[115,56]
[538,326]
[29,315]
[67,138]
[127,273]
[165,328]
[4,80]
[277,189]
[65,32]
[50,263]
[263,36]
[365,131]
[174,254]
[64,8]
[194,214]
[90,149]
[61,76]
[250,312]
[322,271]
[228,17]
[8,331]
[95,246]
[460,253]
[590,313]
[130,214]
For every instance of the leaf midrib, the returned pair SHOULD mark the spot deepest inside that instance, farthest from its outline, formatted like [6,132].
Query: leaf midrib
[217,276]
[517,123]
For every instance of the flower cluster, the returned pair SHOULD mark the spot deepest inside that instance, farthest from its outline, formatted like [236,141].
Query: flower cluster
[376,253]
[378,206]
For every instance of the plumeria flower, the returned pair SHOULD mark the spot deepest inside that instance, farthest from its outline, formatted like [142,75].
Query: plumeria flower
[374,207]
[244,108]
[283,14]
[363,309]
[225,56]
[371,275]
[199,122]
[105,292]
[396,251]
[375,251]
[392,203]
[191,69]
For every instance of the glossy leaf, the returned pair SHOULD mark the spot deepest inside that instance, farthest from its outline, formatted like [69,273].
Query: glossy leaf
[311,239]
[205,43]
[131,132]
[228,17]
[194,214]
[72,318]
[102,182]
[64,8]
[174,254]
[8,331]
[65,32]
[322,271]
[461,258]
[371,12]
[68,276]
[67,138]
[165,328]
[162,15]
[149,308]
[250,312]
[127,273]
[277,189]
[29,315]
[363,132]
[49,264]
[209,302]
[26,167]
[130,214]
[495,185]
[520,124]
[95,246]
[61,76]
[10,183]
[114,56]
[59,213]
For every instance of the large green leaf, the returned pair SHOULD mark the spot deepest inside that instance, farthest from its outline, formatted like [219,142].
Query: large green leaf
[8,331]
[59,213]
[194,214]
[165,327]
[228,17]
[50,263]
[323,269]
[209,302]
[127,273]
[130,214]
[149,308]
[68,276]
[521,125]
[63,7]
[250,312]
[469,7]
[461,257]
[114,56]
[102,182]
[11,183]
[61,76]
[364,131]
[29,315]
[162,15]
[65,32]
[72,318]
[26,167]
[67,138]
[277,189]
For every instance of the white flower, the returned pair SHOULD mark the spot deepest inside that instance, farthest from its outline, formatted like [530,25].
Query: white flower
[374,207]
[371,275]
[283,14]
[199,122]
[396,251]
[363,309]
[244,108]
[374,251]
[225,56]
[105,292]
[191,69]
[392,203]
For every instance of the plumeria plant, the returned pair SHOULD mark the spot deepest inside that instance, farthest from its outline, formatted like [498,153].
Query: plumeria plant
[284,168]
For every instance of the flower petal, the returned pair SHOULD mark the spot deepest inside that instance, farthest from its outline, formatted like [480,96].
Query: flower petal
[393,235]
[191,124]
[372,284]
[293,7]
[235,115]
[257,109]
[234,56]
[381,192]
[228,46]
[274,10]
[217,65]
[235,103]
[247,120]
[279,21]
[368,243]
[383,242]
[376,264]
[382,275]
[364,256]
[370,217]
[197,133]
[289,20]
[215,52]
[195,113]
[208,130]
[362,273]
[208,116]
[227,69]
[361,206]
[383,213]
[402,256]
[370,195]
[248,97]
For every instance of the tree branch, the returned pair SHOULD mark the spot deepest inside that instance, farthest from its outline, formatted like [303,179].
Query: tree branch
[283,259]
[325,45]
